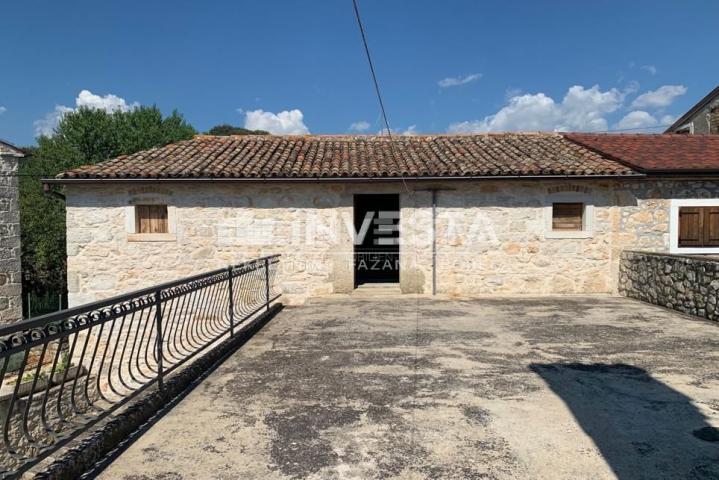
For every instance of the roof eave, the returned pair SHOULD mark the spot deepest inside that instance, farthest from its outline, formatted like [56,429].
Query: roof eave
[693,111]
[683,172]
[68,181]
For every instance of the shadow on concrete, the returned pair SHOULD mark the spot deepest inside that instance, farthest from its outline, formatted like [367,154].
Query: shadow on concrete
[643,428]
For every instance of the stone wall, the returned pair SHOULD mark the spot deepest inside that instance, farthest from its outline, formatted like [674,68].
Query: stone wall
[492,237]
[10,280]
[705,120]
[689,284]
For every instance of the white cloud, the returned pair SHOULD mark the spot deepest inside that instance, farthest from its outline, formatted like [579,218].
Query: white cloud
[659,98]
[109,103]
[581,109]
[637,120]
[47,124]
[455,81]
[512,92]
[409,131]
[288,122]
[650,68]
[631,87]
[2,109]
[360,126]
[641,120]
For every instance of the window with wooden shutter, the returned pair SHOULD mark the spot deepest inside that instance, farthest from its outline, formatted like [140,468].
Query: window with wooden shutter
[567,216]
[711,226]
[690,227]
[698,227]
[151,219]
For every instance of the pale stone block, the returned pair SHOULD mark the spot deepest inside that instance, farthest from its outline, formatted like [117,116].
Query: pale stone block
[103,282]
[498,233]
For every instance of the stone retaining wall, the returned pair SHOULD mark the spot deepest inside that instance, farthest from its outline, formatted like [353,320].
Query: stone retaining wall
[686,283]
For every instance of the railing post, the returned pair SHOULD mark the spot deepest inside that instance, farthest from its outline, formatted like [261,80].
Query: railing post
[158,320]
[267,283]
[232,305]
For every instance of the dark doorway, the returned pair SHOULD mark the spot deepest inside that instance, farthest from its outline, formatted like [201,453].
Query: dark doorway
[376,220]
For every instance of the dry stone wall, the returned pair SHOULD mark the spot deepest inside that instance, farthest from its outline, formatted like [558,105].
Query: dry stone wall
[689,284]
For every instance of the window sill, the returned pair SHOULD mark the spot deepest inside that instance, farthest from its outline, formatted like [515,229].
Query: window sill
[151,237]
[694,250]
[568,234]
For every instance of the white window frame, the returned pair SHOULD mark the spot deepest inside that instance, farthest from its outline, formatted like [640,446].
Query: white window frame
[587,230]
[675,204]
[131,225]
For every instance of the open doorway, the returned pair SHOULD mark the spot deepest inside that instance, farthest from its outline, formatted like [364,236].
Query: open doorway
[376,219]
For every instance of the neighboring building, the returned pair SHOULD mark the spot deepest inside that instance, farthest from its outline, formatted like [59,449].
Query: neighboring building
[10,273]
[535,213]
[701,118]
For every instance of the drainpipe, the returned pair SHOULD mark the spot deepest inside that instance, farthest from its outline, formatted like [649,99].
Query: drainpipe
[434,242]
[434,192]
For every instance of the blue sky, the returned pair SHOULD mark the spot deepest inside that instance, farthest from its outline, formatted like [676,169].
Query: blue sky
[293,67]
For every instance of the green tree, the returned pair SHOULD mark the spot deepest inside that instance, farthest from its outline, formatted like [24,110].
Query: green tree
[82,137]
[225,129]
[42,221]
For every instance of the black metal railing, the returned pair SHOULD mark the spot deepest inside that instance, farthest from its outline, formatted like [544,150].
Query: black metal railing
[63,372]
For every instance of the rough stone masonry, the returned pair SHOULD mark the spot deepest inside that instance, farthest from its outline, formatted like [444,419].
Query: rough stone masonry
[684,283]
[492,237]
[10,281]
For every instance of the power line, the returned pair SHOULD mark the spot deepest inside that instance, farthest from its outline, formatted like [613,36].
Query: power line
[40,175]
[631,129]
[379,94]
[410,193]
[371,67]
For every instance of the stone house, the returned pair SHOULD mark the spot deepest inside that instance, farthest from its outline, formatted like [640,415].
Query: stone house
[10,273]
[701,118]
[509,214]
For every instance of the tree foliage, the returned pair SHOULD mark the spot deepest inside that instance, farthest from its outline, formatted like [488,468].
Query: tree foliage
[82,137]
[225,129]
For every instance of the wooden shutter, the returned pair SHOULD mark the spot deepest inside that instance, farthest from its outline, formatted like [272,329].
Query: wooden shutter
[690,227]
[151,219]
[710,227]
[567,216]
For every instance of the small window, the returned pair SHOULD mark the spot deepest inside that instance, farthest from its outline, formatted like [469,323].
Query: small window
[699,227]
[567,216]
[151,219]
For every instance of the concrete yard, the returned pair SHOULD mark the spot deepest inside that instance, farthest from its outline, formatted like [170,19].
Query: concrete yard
[420,388]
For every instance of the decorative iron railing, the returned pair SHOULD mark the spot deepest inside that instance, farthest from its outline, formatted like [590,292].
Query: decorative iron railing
[63,372]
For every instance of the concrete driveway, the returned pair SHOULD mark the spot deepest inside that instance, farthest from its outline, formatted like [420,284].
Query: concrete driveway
[417,388]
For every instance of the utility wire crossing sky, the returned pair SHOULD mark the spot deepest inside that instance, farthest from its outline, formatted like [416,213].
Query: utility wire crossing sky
[298,68]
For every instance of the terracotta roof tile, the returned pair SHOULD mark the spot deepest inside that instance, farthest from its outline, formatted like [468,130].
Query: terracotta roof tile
[510,154]
[656,152]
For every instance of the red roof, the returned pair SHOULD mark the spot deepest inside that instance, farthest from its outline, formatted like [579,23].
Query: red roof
[656,153]
[267,156]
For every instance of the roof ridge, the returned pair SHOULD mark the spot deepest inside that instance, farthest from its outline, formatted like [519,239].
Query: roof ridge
[352,136]
[361,156]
